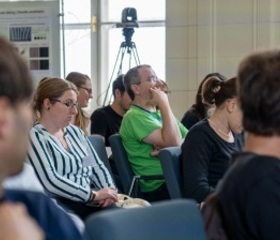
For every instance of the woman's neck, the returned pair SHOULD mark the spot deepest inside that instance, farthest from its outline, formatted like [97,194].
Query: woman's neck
[50,127]
[220,125]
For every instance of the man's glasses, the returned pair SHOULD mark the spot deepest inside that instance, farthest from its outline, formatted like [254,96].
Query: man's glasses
[87,89]
[68,104]
[151,79]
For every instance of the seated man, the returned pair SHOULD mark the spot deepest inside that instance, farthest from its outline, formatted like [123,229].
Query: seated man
[15,118]
[106,121]
[145,129]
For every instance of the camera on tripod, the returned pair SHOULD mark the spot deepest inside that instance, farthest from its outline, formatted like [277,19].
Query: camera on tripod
[129,21]
[129,18]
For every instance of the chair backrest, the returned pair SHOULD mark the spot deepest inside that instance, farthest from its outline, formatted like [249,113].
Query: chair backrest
[172,171]
[168,220]
[99,146]
[120,157]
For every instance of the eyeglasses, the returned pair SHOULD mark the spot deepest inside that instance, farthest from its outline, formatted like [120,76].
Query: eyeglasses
[68,104]
[151,79]
[87,89]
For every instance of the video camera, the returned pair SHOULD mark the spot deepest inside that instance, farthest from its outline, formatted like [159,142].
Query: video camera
[129,18]
[129,22]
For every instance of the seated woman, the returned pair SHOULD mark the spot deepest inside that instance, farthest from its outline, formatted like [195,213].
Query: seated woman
[83,83]
[199,110]
[63,158]
[209,144]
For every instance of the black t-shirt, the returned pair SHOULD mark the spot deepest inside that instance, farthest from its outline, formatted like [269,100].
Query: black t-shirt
[190,118]
[206,158]
[249,196]
[106,122]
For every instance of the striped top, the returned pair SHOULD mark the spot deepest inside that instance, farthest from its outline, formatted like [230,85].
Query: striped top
[68,173]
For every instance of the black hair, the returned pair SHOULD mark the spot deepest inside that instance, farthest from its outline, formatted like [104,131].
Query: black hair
[216,92]
[199,107]
[118,84]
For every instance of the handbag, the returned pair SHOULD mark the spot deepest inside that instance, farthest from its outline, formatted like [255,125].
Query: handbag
[124,201]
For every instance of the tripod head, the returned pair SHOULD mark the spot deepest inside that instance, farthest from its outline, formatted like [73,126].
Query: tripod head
[129,22]
[128,32]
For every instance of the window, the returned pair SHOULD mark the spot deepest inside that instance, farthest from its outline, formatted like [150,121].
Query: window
[149,38]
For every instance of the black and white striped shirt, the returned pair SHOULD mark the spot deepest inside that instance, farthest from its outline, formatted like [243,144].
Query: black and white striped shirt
[68,173]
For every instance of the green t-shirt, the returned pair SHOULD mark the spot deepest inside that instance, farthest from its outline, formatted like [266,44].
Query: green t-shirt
[137,124]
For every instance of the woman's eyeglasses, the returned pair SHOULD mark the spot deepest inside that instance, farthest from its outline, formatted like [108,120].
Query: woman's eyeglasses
[89,90]
[68,104]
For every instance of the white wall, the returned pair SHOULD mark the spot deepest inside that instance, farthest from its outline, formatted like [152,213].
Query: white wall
[204,36]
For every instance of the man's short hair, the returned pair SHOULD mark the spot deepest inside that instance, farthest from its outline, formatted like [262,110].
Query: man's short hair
[15,79]
[259,92]
[133,77]
[118,84]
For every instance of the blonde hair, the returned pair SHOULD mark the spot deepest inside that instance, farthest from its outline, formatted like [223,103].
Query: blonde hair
[82,120]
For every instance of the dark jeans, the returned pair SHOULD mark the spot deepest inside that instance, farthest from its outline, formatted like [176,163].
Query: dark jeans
[157,195]
[80,208]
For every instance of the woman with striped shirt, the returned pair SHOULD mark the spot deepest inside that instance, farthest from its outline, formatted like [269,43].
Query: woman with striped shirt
[63,158]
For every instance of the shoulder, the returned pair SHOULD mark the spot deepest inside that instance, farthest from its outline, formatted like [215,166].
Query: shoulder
[251,169]
[37,132]
[201,128]
[54,221]
[74,130]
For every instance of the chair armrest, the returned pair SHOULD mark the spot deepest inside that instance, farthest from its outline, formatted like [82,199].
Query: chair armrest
[136,178]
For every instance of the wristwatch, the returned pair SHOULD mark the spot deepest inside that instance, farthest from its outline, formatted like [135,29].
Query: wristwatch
[92,196]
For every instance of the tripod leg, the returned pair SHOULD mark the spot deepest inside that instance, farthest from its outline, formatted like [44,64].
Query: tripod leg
[119,58]
[135,53]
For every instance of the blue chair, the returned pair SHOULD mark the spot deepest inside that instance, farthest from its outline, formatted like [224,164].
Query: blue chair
[99,146]
[167,220]
[172,171]
[129,180]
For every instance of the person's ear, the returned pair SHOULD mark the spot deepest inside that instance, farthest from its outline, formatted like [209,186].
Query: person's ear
[135,89]
[47,104]
[5,114]
[231,105]
[117,93]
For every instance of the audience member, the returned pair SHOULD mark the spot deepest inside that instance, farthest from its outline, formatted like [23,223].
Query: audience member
[15,117]
[28,180]
[106,121]
[62,156]
[144,129]
[83,83]
[199,110]
[209,144]
[249,194]
[16,224]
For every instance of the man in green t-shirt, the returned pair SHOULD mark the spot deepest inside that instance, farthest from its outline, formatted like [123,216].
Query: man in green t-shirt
[144,129]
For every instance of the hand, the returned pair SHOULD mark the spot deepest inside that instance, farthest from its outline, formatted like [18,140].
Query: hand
[16,224]
[106,203]
[158,97]
[155,151]
[104,194]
